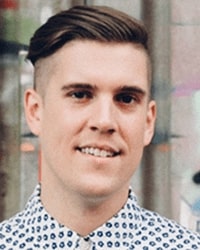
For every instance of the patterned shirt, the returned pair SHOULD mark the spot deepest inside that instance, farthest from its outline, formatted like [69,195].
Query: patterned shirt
[131,228]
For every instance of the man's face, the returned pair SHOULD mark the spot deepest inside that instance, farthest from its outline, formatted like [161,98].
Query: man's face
[94,117]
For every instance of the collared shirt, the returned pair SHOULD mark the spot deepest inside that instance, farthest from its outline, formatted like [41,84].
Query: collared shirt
[131,228]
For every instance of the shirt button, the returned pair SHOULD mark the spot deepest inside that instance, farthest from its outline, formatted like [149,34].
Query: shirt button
[84,244]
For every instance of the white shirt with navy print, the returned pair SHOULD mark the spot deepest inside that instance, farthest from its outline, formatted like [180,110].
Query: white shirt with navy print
[132,228]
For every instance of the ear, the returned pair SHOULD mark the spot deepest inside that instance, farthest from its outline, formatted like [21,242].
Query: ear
[150,122]
[33,110]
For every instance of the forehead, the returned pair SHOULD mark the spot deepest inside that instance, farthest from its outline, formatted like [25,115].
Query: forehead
[95,60]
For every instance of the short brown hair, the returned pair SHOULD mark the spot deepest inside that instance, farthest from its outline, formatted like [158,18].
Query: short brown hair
[95,23]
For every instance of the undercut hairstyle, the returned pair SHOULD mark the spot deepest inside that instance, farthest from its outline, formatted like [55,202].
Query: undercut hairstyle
[95,23]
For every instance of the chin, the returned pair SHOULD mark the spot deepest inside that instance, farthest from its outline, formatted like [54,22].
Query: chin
[99,190]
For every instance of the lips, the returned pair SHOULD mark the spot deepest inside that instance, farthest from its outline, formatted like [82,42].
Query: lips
[98,152]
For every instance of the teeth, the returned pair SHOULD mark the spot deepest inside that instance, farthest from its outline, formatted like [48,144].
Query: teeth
[97,152]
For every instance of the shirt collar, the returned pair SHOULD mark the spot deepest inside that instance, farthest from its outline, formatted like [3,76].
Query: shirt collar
[121,227]
[115,233]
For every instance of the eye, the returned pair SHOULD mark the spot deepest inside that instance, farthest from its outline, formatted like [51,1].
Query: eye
[81,94]
[125,98]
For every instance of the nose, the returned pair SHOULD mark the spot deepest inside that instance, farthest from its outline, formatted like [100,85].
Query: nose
[103,117]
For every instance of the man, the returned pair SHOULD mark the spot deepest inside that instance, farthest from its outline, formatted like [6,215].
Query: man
[92,111]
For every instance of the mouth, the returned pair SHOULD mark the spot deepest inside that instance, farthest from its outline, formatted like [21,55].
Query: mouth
[98,152]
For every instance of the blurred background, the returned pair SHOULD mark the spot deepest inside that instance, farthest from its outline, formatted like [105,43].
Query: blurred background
[168,180]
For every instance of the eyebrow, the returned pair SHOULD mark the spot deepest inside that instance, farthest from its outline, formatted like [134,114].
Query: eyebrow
[77,86]
[132,89]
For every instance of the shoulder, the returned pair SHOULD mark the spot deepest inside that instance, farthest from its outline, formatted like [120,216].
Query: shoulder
[168,231]
[18,227]
[11,230]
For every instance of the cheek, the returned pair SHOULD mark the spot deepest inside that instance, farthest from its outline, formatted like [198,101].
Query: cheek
[135,132]
[52,125]
[60,125]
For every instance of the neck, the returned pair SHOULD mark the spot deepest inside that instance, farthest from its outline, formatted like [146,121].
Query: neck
[80,214]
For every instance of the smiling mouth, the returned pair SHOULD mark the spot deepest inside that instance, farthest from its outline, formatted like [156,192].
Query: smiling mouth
[98,152]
